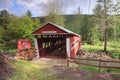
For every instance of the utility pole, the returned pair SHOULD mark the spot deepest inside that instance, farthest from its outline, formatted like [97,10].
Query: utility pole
[106,27]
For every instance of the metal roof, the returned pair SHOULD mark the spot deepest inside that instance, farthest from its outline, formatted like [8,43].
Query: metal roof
[60,27]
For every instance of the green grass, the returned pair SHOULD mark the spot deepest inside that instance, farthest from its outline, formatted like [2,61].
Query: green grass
[26,70]
[93,48]
[92,68]
[88,67]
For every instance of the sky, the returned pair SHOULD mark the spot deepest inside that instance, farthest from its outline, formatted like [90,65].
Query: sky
[19,7]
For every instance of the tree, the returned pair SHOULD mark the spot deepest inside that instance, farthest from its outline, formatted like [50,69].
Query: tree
[75,21]
[2,31]
[21,27]
[36,23]
[115,12]
[54,9]
[25,27]
[57,19]
[88,30]
[4,18]
[98,12]
[12,29]
[29,14]
[104,7]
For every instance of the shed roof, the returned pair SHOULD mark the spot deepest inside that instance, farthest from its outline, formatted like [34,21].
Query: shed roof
[36,32]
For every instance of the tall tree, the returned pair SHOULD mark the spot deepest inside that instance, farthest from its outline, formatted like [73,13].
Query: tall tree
[99,17]
[104,7]
[4,18]
[54,10]
[2,32]
[88,30]
[78,19]
[115,12]
[28,13]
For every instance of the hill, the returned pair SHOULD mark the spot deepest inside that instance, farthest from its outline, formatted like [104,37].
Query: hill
[69,21]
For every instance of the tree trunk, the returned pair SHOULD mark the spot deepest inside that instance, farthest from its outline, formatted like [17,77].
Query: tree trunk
[115,31]
[105,37]
[106,29]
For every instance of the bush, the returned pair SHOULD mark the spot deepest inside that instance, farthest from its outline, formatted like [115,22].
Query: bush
[2,47]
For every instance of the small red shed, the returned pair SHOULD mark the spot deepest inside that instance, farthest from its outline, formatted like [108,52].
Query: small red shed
[51,37]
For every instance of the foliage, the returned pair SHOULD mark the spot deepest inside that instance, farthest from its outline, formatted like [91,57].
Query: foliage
[10,48]
[2,32]
[88,31]
[29,14]
[25,27]
[56,18]
[94,48]
[2,46]
[18,27]
[74,24]
[4,18]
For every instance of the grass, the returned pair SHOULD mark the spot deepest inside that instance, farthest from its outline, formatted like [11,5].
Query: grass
[93,48]
[88,67]
[92,68]
[111,48]
[26,70]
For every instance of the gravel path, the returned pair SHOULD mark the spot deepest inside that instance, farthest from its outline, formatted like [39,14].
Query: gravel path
[52,62]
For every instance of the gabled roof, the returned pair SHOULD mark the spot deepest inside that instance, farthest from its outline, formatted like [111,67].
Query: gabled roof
[56,26]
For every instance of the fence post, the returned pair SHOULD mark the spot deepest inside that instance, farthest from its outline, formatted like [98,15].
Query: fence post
[67,61]
[99,64]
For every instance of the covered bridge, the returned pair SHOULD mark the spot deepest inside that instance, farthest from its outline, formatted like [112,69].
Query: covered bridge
[51,37]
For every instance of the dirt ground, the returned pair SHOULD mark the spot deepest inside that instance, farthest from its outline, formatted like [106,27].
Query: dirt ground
[93,55]
[5,69]
[57,68]
[53,62]
[66,73]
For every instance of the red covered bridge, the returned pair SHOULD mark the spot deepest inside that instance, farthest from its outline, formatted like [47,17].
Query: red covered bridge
[51,37]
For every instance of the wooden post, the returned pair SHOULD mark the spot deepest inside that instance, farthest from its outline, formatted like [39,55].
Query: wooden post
[100,64]
[67,61]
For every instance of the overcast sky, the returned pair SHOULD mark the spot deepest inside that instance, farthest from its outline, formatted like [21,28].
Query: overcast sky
[19,7]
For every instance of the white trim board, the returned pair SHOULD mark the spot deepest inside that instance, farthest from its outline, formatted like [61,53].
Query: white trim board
[36,47]
[68,46]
